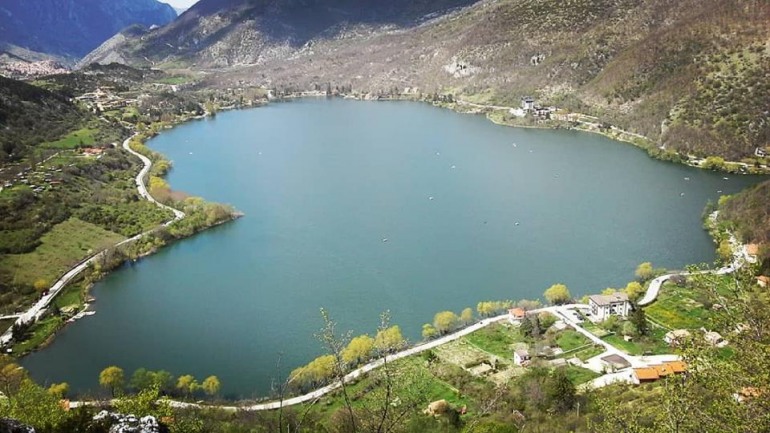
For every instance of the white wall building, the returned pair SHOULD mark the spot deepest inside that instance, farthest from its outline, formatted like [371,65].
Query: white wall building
[604,306]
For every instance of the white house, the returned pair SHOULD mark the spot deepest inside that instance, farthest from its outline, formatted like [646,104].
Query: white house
[604,306]
[521,356]
[527,103]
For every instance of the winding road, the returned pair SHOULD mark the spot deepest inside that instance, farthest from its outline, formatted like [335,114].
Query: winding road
[36,311]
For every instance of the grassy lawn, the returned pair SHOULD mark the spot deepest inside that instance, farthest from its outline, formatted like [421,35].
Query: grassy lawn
[71,295]
[62,247]
[496,339]
[41,332]
[594,329]
[579,375]
[570,340]
[587,353]
[653,343]
[677,308]
[74,139]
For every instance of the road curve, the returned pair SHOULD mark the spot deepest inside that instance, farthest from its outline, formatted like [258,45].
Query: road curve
[740,257]
[37,310]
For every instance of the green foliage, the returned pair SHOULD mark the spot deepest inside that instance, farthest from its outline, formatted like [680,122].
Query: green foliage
[557,294]
[33,405]
[645,271]
[389,339]
[146,402]
[358,350]
[445,321]
[113,379]
[490,308]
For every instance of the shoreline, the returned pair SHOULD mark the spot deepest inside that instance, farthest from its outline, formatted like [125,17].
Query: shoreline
[34,313]
[178,215]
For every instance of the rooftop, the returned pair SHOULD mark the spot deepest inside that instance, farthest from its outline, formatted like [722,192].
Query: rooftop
[609,299]
[616,360]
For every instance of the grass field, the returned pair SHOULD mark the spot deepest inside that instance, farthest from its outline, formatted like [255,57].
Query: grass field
[496,339]
[579,375]
[587,353]
[678,308]
[652,343]
[73,140]
[41,331]
[62,247]
[570,340]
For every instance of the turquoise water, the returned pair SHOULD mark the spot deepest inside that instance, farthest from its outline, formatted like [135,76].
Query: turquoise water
[323,183]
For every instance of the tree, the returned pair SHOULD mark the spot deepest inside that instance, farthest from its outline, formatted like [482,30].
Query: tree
[141,379]
[445,321]
[359,349]
[560,391]
[645,271]
[211,385]
[59,390]
[634,290]
[639,319]
[112,378]
[187,384]
[163,380]
[41,285]
[488,308]
[557,294]
[428,331]
[725,251]
[389,339]
[629,329]
[466,316]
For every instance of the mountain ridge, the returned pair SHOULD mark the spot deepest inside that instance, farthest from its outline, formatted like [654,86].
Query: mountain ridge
[39,26]
[689,75]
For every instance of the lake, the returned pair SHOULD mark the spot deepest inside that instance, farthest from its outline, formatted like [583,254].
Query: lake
[361,207]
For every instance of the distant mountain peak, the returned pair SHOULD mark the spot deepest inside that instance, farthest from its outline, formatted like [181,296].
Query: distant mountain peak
[40,25]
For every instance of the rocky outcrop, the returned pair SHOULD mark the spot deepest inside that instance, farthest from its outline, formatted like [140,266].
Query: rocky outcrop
[13,426]
[119,423]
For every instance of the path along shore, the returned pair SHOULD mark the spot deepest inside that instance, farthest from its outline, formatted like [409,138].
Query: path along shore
[562,312]
[36,311]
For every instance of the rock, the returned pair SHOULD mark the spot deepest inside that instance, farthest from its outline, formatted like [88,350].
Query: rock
[120,423]
[438,407]
[8,425]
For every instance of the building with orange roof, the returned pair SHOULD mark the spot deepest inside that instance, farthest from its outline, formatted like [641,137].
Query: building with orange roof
[752,249]
[677,366]
[663,370]
[763,280]
[517,314]
[646,374]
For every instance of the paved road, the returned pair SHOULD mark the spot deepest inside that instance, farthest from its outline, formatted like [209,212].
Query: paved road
[143,188]
[37,310]
[740,257]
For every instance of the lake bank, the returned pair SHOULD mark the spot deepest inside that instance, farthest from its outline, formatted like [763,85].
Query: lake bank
[321,199]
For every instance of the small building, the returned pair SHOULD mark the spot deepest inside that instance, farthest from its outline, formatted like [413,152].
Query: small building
[615,362]
[604,306]
[517,314]
[646,374]
[676,337]
[715,339]
[521,356]
[657,371]
[528,103]
[760,152]
[763,280]
[752,249]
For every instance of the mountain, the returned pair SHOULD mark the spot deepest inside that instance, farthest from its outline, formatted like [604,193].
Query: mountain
[226,32]
[30,115]
[689,74]
[70,29]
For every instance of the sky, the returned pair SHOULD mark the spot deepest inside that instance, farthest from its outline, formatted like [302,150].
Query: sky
[180,3]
